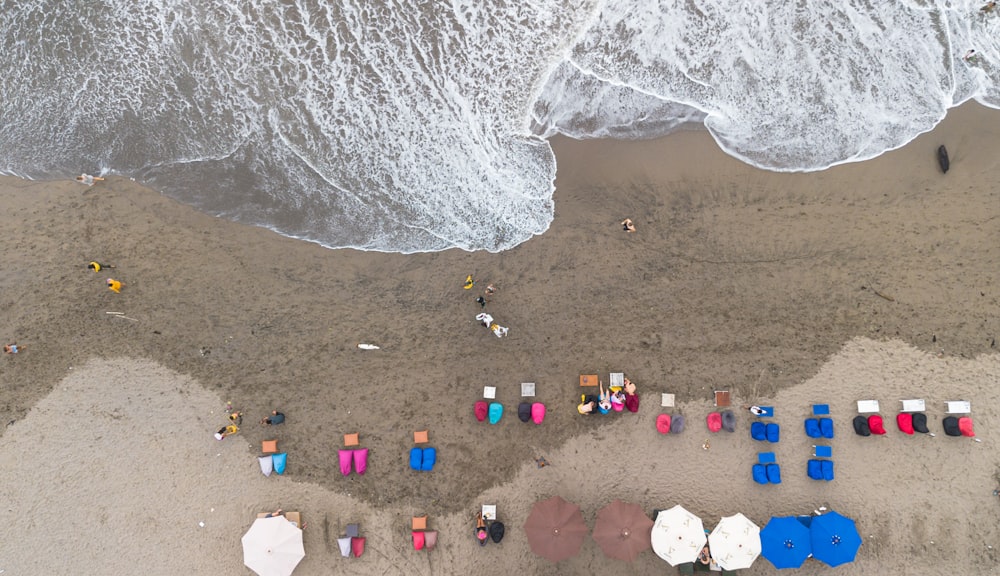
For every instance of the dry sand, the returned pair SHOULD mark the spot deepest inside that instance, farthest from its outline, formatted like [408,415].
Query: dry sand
[761,283]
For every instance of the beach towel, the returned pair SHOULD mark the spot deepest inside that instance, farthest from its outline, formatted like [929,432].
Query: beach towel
[345,546]
[827,466]
[430,458]
[876,425]
[358,546]
[773,432]
[861,426]
[904,421]
[480,410]
[496,531]
[677,424]
[728,421]
[812,428]
[361,461]
[814,469]
[714,421]
[524,411]
[418,540]
[279,461]
[537,412]
[759,474]
[416,457]
[757,431]
[773,473]
[345,457]
[632,402]
[663,423]
[266,464]
[826,427]
[965,426]
[496,412]
[920,423]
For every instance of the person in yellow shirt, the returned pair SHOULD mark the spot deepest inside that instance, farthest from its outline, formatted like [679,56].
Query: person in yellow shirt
[96,266]
[114,285]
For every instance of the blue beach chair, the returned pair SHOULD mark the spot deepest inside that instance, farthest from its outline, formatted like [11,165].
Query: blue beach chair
[773,432]
[826,427]
[429,459]
[812,428]
[416,457]
[814,469]
[757,431]
[774,474]
[827,466]
[496,412]
[759,474]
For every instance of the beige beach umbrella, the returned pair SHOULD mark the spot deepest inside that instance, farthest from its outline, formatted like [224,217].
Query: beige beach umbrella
[273,546]
[678,536]
[735,542]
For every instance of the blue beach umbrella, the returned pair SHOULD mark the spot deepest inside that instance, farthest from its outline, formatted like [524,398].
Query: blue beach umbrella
[785,542]
[835,539]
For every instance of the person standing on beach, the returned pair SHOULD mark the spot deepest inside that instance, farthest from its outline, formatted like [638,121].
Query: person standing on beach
[114,285]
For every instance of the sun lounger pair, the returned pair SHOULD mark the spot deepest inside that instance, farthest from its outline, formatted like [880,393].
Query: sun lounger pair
[358,457]
[531,412]
[761,432]
[819,427]
[423,539]
[958,426]
[820,469]
[766,471]
[273,462]
[353,544]
[724,420]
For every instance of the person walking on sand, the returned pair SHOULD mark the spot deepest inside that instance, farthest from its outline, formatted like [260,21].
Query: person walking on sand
[96,266]
[88,179]
[114,285]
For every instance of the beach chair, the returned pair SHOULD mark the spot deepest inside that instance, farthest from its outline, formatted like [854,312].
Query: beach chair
[812,428]
[827,467]
[915,405]
[758,431]
[266,464]
[772,432]
[950,425]
[861,426]
[269,446]
[280,461]
[876,425]
[826,427]
[728,421]
[714,421]
[496,412]
[538,412]
[358,546]
[360,461]
[920,423]
[416,458]
[904,421]
[497,531]
[418,540]
[429,459]
[346,459]
[760,473]
[430,539]
[524,412]
[663,423]
[773,473]
[965,426]
[480,409]
[677,424]
[814,469]
[867,406]
[959,407]
[345,547]
[722,398]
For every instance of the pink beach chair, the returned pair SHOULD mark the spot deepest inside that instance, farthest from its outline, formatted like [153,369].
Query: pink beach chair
[346,457]
[537,412]
[361,461]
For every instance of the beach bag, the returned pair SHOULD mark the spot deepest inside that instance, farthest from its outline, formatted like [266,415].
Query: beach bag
[826,427]
[345,457]
[950,425]
[496,531]
[812,428]
[632,402]
[480,410]
[920,423]
[876,425]
[537,412]
[266,465]
[663,423]
[677,424]
[430,458]
[361,461]
[965,426]
[757,431]
[861,426]
[524,411]
[279,462]
[714,421]
[729,421]
[905,422]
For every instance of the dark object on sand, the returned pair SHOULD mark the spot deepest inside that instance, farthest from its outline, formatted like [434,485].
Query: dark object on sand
[861,427]
[943,160]
[496,531]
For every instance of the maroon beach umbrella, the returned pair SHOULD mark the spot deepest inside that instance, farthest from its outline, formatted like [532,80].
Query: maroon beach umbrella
[555,529]
[622,530]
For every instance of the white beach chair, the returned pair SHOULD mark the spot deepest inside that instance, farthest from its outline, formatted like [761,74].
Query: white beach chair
[867,406]
[959,407]
[915,405]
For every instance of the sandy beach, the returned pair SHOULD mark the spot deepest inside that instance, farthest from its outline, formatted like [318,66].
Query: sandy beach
[874,280]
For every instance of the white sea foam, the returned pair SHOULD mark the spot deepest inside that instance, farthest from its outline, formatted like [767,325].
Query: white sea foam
[417,126]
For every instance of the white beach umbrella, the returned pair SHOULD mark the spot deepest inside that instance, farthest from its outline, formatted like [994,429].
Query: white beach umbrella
[735,542]
[678,536]
[273,546]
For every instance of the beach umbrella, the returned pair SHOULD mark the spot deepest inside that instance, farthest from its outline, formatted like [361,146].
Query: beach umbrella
[678,536]
[273,546]
[835,539]
[622,530]
[555,529]
[785,542]
[735,542]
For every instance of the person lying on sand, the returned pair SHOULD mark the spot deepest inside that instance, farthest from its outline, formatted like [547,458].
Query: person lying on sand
[588,405]
[226,431]
[96,266]
[274,419]
[277,512]
[88,179]
[604,399]
[114,285]
[10,348]
[628,225]
[481,533]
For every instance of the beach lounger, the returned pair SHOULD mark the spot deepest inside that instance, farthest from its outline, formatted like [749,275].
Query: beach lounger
[861,426]
[538,412]
[826,427]
[430,539]
[418,540]
[773,473]
[772,432]
[867,406]
[527,389]
[760,473]
[915,405]
[814,469]
[812,428]
[677,424]
[345,547]
[920,423]
[950,425]
[728,421]
[361,461]
[666,400]
[280,461]
[876,425]
[965,426]
[358,546]
[822,451]
[352,439]
[496,531]
[524,411]
[269,446]
[430,458]
[266,464]
[346,458]
[480,410]
[758,431]
[663,423]
[904,421]
[714,421]
[722,398]
[489,392]
[496,412]
[416,457]
[959,407]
